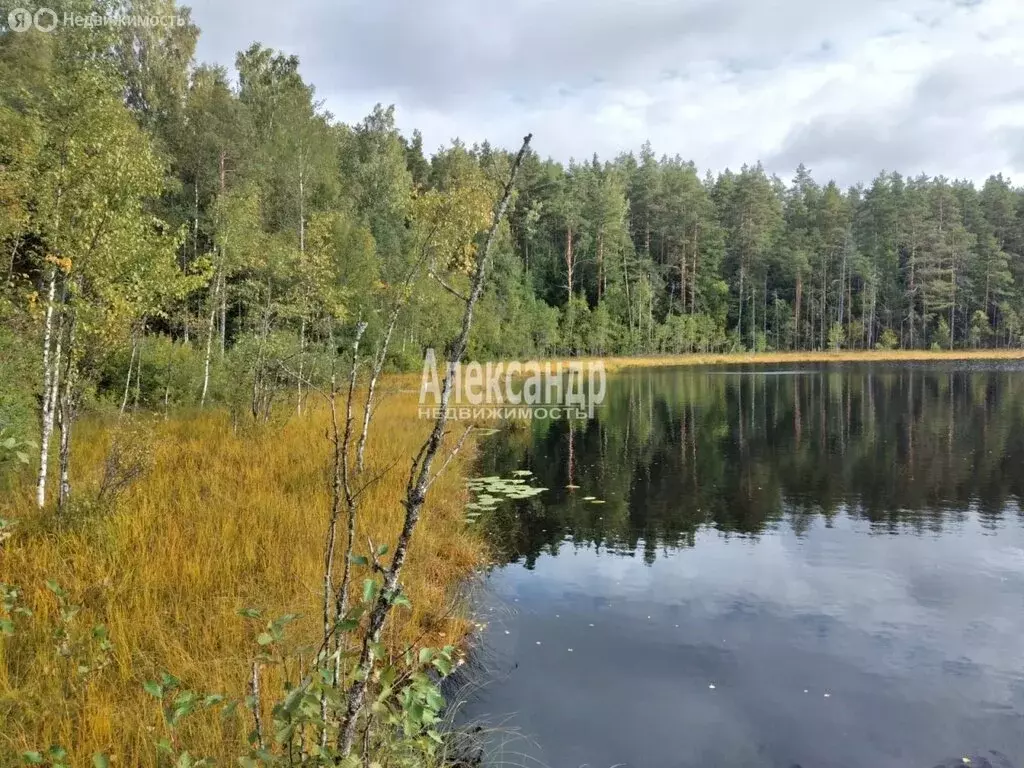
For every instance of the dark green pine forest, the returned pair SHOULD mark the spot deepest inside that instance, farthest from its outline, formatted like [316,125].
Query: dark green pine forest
[189,224]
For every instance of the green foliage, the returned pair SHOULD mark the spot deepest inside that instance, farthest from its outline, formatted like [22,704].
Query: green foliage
[836,336]
[941,338]
[888,340]
[404,714]
[18,384]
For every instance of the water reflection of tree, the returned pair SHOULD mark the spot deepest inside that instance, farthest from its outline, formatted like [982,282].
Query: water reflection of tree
[907,449]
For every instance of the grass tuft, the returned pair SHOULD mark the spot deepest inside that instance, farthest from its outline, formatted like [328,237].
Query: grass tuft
[223,520]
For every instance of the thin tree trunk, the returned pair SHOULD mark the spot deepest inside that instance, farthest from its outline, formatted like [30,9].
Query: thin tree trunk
[223,292]
[911,315]
[67,417]
[764,309]
[419,481]
[51,375]
[302,362]
[138,376]
[195,246]
[696,266]
[167,387]
[334,606]
[346,486]
[257,374]
[302,261]
[739,319]
[209,342]
[570,260]
[753,316]
[14,256]
[871,322]
[131,366]
[629,303]
[797,319]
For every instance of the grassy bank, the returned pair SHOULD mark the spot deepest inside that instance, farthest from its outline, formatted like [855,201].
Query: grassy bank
[775,358]
[223,520]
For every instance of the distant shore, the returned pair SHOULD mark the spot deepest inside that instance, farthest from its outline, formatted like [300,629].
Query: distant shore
[768,358]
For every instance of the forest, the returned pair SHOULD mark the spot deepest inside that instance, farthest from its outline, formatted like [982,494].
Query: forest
[187,225]
[201,266]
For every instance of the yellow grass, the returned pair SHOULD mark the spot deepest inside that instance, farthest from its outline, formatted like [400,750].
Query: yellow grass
[766,358]
[223,521]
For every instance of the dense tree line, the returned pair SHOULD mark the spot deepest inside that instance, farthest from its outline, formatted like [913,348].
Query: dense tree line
[172,230]
[646,255]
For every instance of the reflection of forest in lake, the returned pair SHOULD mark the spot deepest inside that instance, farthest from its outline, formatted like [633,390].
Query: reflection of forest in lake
[908,448]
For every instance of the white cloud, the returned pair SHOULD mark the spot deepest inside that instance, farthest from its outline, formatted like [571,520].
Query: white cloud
[849,86]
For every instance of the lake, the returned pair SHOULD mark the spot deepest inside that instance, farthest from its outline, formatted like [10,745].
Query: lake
[815,566]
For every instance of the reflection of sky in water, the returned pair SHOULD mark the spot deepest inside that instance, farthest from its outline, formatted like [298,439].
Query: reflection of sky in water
[918,639]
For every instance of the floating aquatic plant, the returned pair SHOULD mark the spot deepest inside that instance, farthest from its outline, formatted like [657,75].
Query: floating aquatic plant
[493,489]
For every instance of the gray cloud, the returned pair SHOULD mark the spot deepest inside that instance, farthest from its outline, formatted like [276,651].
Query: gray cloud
[847,86]
[939,129]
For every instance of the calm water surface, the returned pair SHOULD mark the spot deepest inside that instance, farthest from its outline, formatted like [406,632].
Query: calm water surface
[817,566]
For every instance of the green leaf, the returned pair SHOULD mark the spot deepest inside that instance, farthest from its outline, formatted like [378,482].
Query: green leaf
[99,760]
[250,613]
[6,627]
[369,590]
[153,688]
[265,638]
[32,758]
[382,550]
[54,587]
[358,560]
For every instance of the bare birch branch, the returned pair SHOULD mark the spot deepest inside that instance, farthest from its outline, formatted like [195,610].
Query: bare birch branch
[382,351]
[339,486]
[451,456]
[419,479]
[443,284]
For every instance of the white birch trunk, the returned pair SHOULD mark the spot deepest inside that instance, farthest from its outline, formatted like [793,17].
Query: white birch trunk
[302,361]
[209,345]
[128,380]
[67,417]
[51,372]
[223,293]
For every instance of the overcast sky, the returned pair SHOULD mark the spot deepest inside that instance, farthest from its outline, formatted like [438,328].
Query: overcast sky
[848,87]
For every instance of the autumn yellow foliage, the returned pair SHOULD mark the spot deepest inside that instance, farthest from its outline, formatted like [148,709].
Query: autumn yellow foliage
[225,519]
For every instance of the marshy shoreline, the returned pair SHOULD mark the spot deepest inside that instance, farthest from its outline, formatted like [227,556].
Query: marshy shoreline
[810,356]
